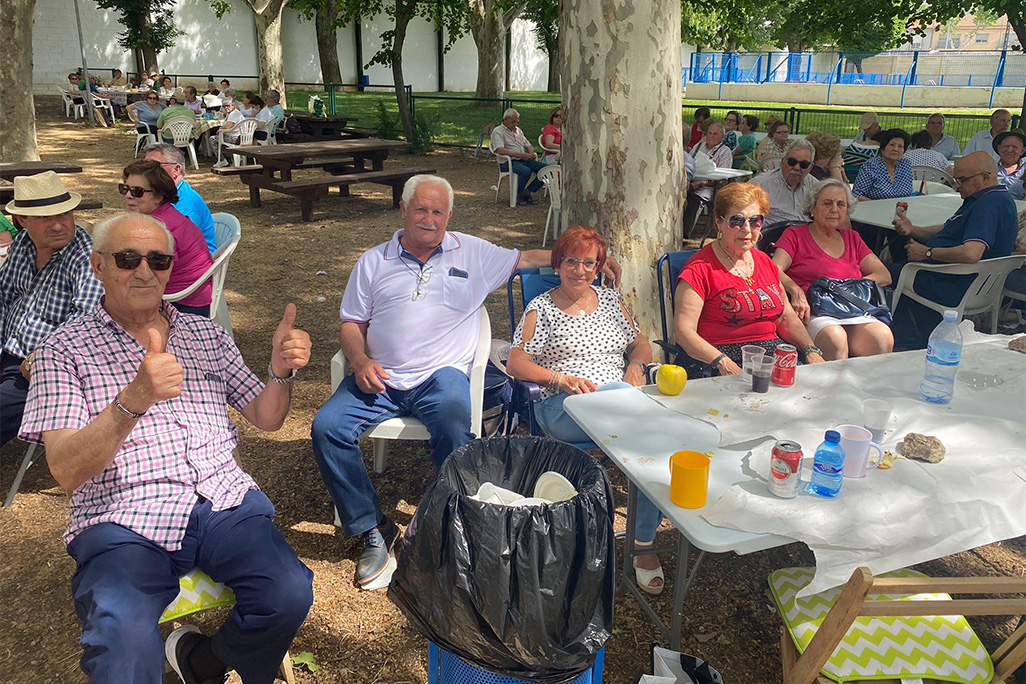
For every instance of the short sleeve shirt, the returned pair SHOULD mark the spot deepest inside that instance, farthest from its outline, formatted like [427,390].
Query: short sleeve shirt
[720,155]
[412,338]
[179,450]
[986,216]
[809,261]
[589,346]
[874,181]
[1014,180]
[947,146]
[927,157]
[735,311]
[514,140]
[785,204]
[984,141]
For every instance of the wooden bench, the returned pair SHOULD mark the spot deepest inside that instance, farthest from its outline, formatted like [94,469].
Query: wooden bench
[237,170]
[307,189]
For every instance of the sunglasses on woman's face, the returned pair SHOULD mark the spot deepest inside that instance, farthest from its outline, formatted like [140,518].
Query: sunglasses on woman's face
[129,260]
[738,221]
[136,191]
[804,164]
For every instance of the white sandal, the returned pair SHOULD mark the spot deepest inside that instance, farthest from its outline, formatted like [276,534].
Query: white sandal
[644,576]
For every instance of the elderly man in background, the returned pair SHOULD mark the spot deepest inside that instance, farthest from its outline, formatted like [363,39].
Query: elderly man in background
[939,140]
[117,79]
[191,101]
[1010,146]
[189,201]
[984,227]
[509,140]
[983,141]
[131,402]
[701,192]
[788,185]
[45,281]
[868,127]
[272,102]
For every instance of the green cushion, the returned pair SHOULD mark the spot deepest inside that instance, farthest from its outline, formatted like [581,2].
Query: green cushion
[198,592]
[942,647]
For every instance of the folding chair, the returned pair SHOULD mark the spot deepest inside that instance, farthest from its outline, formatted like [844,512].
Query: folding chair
[667,269]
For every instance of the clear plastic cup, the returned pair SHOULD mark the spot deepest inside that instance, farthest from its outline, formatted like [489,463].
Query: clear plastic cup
[747,352]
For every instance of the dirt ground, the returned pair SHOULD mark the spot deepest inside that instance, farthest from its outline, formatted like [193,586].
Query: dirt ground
[358,636]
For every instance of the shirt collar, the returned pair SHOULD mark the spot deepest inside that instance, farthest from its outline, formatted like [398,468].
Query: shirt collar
[984,191]
[30,246]
[170,313]
[392,249]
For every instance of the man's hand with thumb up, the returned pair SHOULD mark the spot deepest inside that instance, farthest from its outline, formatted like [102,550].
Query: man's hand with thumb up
[290,347]
[159,377]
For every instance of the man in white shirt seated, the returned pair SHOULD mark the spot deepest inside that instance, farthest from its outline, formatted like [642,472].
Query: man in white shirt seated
[191,101]
[983,141]
[509,140]
[701,192]
[788,185]
[226,134]
[940,141]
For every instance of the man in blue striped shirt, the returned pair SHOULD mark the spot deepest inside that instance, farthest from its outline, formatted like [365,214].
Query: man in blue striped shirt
[45,280]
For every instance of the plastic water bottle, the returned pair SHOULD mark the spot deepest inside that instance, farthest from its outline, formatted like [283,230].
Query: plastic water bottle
[828,466]
[942,356]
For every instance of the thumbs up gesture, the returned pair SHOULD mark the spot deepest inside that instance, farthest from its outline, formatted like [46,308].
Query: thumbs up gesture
[159,377]
[290,347]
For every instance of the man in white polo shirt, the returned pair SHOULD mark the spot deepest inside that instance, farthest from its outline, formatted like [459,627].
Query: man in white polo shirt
[410,317]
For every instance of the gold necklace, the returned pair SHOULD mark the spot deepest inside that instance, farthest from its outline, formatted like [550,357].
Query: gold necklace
[735,269]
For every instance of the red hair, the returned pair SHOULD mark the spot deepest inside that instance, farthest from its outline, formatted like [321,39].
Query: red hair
[576,240]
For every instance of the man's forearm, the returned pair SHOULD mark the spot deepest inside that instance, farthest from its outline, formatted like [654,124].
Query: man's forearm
[535,258]
[75,456]
[924,233]
[353,340]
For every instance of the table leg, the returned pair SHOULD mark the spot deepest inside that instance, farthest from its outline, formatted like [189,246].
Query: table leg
[397,194]
[254,196]
[306,204]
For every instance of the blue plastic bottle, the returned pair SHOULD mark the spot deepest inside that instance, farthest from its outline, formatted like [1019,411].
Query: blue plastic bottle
[828,466]
[943,353]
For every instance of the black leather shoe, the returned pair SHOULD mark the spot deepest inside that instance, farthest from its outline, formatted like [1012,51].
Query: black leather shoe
[375,546]
[179,646]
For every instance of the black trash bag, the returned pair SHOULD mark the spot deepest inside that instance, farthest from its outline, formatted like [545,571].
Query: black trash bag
[525,592]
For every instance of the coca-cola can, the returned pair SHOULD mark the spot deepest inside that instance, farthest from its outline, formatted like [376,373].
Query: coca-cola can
[785,469]
[900,208]
[785,358]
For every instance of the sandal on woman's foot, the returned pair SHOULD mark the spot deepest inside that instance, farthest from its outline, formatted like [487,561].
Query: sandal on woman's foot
[645,576]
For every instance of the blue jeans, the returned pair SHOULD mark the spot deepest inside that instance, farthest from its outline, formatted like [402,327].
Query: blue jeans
[123,583]
[557,423]
[442,403]
[523,171]
[13,392]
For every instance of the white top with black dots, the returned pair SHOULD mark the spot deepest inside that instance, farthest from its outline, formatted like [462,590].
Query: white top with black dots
[589,346]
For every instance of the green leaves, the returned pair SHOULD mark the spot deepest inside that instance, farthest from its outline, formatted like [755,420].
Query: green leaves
[305,659]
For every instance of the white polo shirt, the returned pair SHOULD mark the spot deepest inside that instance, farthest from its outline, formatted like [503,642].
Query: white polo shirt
[412,339]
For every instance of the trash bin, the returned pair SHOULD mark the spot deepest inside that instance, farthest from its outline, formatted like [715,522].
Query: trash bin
[525,592]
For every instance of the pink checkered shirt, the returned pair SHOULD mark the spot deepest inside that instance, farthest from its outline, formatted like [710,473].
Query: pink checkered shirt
[180,450]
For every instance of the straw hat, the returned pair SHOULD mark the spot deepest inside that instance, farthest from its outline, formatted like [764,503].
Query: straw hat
[868,119]
[43,194]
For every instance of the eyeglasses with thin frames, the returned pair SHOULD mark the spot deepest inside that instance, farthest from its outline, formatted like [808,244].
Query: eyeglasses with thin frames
[738,221]
[574,262]
[129,260]
[961,180]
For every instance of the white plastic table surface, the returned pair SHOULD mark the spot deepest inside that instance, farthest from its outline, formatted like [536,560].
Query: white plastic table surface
[923,210]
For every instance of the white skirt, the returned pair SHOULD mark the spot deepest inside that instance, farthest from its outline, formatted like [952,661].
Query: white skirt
[818,323]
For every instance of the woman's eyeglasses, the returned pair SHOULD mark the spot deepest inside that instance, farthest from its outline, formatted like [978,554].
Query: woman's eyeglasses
[738,221]
[804,164]
[129,260]
[574,262]
[136,191]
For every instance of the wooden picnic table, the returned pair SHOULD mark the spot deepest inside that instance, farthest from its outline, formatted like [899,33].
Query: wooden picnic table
[345,160]
[313,128]
[11,170]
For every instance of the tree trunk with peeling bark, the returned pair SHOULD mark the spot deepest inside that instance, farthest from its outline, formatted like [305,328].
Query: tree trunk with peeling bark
[327,41]
[623,156]
[404,12]
[270,61]
[17,109]
[488,25]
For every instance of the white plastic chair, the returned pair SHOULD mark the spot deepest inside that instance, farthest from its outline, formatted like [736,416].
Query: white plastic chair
[31,456]
[272,128]
[550,154]
[140,137]
[983,296]
[935,188]
[408,427]
[69,104]
[228,232]
[508,173]
[246,130]
[551,177]
[182,130]
[933,174]
[105,105]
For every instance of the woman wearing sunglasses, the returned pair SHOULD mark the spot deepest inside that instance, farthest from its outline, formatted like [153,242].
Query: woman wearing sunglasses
[823,248]
[148,189]
[552,136]
[729,293]
[144,114]
[578,338]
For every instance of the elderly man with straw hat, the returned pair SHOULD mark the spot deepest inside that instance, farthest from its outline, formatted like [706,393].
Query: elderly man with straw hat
[44,281]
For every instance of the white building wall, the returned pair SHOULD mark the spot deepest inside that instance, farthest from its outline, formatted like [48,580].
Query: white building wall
[528,64]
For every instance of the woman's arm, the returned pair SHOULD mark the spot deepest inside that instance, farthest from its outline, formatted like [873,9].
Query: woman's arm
[132,114]
[791,330]
[874,269]
[549,142]
[685,329]
[521,365]
[639,353]
[836,168]
[797,296]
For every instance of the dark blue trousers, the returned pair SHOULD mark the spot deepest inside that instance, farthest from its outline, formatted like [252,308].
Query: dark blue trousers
[13,392]
[124,582]
[914,322]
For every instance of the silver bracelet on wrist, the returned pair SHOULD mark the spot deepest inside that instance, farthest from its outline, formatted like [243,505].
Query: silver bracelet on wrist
[287,380]
[121,407]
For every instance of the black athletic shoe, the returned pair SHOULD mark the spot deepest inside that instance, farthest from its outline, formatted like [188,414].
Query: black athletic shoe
[375,547]
[179,646]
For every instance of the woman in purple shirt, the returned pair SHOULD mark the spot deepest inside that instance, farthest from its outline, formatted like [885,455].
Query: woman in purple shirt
[148,189]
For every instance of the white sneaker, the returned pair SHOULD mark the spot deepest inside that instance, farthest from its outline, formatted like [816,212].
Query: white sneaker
[221,164]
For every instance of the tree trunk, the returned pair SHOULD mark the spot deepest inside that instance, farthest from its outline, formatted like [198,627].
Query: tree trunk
[553,83]
[623,156]
[404,10]
[488,25]
[17,109]
[327,41]
[149,53]
[270,62]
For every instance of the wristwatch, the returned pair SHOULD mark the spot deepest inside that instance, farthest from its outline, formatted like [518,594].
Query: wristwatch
[929,252]
[287,380]
[811,349]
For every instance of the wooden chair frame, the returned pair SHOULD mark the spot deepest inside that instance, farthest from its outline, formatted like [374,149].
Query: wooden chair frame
[852,604]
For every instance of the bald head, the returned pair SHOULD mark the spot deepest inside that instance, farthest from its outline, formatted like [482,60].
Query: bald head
[979,171]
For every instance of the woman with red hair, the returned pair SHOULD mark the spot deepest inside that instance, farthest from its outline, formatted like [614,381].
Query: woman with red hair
[579,338]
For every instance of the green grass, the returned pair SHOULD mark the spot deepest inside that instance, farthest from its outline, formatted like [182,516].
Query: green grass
[459,119]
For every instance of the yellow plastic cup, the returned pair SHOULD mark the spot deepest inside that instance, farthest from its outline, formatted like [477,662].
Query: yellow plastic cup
[689,479]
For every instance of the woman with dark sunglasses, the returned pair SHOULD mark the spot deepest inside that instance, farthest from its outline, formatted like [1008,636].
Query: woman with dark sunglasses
[552,136]
[148,189]
[144,114]
[729,294]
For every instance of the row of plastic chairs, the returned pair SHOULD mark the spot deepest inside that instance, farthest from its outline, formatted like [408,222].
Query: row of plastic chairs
[78,108]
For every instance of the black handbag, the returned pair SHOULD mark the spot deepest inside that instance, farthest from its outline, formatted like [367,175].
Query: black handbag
[848,298]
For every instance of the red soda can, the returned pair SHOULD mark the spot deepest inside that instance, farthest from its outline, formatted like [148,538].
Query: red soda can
[785,469]
[785,358]
[901,208]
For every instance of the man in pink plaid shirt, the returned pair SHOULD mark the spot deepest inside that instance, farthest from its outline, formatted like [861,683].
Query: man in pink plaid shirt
[131,404]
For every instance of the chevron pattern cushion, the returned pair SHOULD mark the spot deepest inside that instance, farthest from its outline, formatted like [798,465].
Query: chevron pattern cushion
[942,647]
[198,592]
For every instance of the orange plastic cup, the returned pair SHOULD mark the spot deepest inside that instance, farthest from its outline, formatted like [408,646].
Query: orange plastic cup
[689,479]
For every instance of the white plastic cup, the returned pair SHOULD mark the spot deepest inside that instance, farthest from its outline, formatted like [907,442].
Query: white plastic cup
[747,352]
[856,442]
[876,416]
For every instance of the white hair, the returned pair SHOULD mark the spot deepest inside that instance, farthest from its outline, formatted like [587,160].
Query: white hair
[410,188]
[510,113]
[101,231]
[801,144]
[812,197]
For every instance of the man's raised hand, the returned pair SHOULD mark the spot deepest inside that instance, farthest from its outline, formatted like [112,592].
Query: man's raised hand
[290,347]
[159,377]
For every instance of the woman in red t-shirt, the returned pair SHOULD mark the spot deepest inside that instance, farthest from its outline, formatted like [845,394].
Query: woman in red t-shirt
[552,136]
[729,294]
[824,249]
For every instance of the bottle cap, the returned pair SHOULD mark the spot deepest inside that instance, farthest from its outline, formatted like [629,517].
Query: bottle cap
[950,315]
[833,436]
